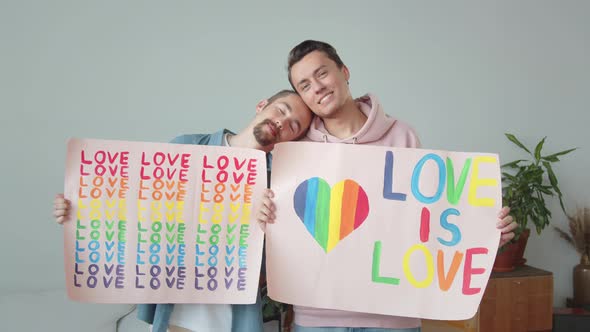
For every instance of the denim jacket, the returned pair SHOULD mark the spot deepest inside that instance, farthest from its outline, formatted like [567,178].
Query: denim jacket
[245,317]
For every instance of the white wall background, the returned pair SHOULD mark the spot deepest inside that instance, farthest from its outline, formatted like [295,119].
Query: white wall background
[461,72]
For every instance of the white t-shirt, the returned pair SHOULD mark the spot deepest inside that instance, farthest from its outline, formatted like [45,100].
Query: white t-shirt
[203,317]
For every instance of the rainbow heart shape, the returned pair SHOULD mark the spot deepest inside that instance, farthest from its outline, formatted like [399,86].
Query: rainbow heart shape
[330,215]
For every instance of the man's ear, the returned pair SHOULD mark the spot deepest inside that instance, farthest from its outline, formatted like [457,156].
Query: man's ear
[346,72]
[261,104]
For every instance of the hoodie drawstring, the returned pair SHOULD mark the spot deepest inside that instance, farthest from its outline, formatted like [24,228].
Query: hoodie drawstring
[325,137]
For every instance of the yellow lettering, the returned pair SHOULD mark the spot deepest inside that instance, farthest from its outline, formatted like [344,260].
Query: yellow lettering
[476,182]
[429,266]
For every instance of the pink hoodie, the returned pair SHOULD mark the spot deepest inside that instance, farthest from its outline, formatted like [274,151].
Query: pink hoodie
[380,129]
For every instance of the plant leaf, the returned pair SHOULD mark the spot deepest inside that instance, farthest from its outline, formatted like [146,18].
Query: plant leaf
[513,164]
[552,159]
[545,190]
[514,140]
[508,176]
[554,184]
[560,153]
[552,177]
[538,149]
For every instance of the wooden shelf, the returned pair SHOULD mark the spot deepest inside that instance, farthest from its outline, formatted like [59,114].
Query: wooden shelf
[515,301]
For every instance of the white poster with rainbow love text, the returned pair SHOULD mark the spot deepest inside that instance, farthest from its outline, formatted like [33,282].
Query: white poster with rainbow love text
[393,231]
[162,223]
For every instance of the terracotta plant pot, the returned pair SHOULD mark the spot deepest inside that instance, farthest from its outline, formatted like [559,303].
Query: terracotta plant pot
[519,259]
[505,258]
[582,282]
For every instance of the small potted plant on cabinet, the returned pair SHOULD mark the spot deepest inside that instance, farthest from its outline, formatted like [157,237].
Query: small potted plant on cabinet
[525,185]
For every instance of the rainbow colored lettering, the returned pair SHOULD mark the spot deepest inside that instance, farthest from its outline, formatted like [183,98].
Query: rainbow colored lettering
[161,247]
[225,194]
[102,201]
[446,178]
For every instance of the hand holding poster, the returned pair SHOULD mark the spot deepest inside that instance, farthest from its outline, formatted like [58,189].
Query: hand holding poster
[162,223]
[404,232]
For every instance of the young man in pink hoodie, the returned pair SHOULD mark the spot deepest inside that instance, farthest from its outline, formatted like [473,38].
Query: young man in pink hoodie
[320,77]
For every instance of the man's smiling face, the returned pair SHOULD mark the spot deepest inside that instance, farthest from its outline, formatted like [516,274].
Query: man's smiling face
[321,83]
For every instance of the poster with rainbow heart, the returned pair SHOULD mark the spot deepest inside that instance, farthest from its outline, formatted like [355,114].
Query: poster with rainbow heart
[393,231]
[162,223]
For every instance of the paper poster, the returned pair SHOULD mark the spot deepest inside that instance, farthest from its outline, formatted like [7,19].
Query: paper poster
[162,223]
[404,232]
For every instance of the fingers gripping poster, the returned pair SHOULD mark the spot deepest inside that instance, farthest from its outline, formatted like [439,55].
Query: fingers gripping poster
[404,232]
[162,223]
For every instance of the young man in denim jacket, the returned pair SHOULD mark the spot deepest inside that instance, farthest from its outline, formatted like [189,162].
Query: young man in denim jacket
[280,118]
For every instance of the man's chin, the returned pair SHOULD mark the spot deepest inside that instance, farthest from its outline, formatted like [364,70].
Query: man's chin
[266,143]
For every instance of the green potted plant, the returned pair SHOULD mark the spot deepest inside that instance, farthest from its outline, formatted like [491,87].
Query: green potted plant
[271,310]
[526,183]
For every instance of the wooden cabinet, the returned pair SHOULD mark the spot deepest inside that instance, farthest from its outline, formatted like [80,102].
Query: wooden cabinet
[470,325]
[517,301]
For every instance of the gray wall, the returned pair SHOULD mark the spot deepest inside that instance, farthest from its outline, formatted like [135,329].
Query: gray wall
[461,73]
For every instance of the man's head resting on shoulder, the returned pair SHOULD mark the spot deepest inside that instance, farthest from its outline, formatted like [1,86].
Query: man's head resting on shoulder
[283,117]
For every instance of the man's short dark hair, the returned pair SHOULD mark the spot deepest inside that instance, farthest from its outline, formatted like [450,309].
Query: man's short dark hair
[280,94]
[304,48]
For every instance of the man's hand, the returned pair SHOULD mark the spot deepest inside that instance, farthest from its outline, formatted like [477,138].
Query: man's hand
[61,209]
[266,213]
[506,225]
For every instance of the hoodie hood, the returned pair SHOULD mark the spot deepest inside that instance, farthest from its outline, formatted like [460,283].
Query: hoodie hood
[378,124]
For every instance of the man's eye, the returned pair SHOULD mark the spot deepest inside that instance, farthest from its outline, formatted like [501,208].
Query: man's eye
[323,74]
[305,87]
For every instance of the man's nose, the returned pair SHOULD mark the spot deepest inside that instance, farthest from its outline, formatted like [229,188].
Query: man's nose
[318,86]
[279,123]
